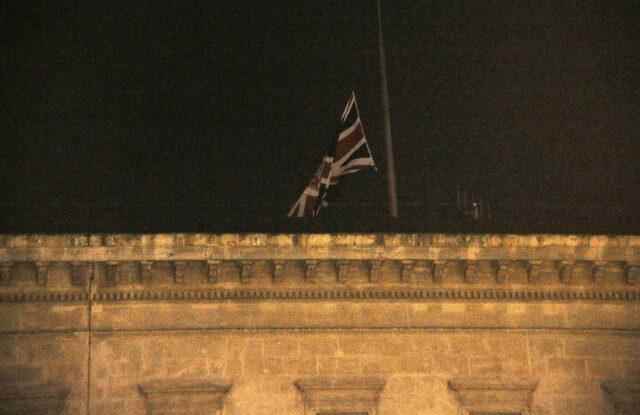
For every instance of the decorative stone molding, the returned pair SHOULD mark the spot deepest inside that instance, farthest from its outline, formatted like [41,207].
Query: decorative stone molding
[146,272]
[566,271]
[5,273]
[537,270]
[81,272]
[633,274]
[534,271]
[406,270]
[179,268]
[246,271]
[423,272]
[340,395]
[439,271]
[310,270]
[624,395]
[599,271]
[397,266]
[213,271]
[503,270]
[375,271]
[111,274]
[344,270]
[33,399]
[42,273]
[278,268]
[471,273]
[194,397]
[494,394]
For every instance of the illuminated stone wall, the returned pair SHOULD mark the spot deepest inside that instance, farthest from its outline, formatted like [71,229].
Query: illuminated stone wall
[305,324]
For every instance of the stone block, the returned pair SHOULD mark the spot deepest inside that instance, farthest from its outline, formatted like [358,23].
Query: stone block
[281,346]
[233,368]
[512,345]
[374,343]
[304,365]
[542,347]
[469,345]
[603,347]
[318,344]
[413,363]
[431,344]
[448,365]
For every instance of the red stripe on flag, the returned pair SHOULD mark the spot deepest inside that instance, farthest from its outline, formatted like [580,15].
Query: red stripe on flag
[349,142]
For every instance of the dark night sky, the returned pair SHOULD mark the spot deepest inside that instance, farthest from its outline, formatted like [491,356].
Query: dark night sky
[146,116]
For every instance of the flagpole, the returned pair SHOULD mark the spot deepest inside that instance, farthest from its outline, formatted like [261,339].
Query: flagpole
[391,172]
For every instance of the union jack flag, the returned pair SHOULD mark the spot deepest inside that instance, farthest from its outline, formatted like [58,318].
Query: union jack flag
[351,154]
[312,197]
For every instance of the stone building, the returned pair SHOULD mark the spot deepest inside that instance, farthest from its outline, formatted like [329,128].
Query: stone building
[377,324]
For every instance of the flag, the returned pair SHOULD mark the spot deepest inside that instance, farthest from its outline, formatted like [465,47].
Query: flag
[312,198]
[349,154]
[352,152]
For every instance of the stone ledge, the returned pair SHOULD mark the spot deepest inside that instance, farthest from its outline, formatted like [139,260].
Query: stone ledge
[198,397]
[478,394]
[335,394]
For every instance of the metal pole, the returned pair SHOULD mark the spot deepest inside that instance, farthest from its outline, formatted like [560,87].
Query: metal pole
[391,172]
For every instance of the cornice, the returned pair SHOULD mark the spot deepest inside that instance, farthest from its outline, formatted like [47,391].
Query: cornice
[367,267]
[121,247]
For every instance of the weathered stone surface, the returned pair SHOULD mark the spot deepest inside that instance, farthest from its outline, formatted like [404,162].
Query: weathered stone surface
[264,311]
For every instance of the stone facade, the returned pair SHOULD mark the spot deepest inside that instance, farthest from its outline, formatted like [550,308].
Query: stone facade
[319,324]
